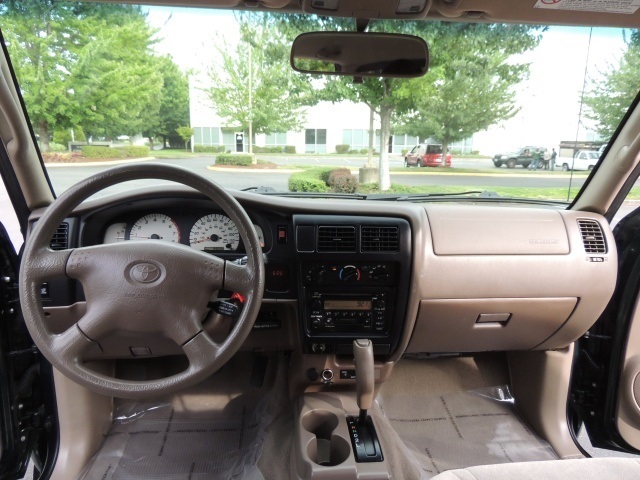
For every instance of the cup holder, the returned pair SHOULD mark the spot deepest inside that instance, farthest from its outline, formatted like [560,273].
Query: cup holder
[325,448]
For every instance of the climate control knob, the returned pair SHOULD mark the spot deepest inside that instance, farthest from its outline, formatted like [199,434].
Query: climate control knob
[350,273]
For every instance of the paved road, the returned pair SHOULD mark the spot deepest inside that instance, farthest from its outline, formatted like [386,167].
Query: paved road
[63,177]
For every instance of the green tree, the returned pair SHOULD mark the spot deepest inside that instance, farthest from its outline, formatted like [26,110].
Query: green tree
[470,83]
[185,133]
[610,95]
[174,100]
[45,38]
[117,83]
[468,87]
[64,136]
[253,87]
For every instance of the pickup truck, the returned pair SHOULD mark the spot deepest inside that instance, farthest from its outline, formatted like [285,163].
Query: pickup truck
[582,160]
[522,156]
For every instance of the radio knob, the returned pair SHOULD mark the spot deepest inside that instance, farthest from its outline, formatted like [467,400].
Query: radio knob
[380,304]
[316,305]
[349,273]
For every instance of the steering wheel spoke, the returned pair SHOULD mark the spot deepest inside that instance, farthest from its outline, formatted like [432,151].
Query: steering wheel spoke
[237,278]
[201,349]
[70,344]
[49,264]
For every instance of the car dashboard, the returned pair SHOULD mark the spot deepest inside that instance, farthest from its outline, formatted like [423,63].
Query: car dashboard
[414,278]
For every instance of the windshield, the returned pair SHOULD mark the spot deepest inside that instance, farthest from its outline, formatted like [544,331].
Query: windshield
[213,91]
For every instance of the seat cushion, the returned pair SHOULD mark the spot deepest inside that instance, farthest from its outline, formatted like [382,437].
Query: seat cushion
[583,469]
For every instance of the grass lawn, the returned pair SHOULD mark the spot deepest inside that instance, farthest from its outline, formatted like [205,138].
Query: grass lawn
[559,194]
[495,171]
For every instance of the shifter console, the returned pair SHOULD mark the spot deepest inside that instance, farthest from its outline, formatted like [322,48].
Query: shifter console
[366,447]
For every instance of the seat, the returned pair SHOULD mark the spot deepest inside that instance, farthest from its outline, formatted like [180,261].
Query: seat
[582,469]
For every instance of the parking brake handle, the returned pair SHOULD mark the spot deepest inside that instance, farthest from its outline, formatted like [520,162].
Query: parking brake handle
[365,373]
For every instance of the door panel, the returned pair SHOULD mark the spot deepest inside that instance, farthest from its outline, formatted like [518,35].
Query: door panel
[605,391]
[628,405]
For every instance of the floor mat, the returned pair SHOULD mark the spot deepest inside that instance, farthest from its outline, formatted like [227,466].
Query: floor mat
[463,429]
[160,443]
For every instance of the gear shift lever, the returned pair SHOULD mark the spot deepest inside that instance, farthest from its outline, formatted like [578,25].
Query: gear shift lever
[364,439]
[365,384]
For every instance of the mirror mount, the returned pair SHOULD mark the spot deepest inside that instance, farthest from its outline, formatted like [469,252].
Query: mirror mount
[362,24]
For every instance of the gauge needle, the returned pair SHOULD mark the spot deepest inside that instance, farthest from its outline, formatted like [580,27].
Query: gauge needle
[151,237]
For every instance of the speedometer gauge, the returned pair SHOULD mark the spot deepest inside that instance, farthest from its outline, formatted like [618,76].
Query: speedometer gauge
[214,233]
[155,226]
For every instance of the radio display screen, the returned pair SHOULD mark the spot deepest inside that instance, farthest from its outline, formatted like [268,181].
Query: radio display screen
[348,304]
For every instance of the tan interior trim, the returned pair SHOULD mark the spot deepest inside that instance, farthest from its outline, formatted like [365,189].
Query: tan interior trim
[540,386]
[623,156]
[628,406]
[22,153]
[84,418]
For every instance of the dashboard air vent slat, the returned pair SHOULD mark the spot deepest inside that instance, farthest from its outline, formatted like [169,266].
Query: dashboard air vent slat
[60,239]
[339,238]
[592,236]
[379,239]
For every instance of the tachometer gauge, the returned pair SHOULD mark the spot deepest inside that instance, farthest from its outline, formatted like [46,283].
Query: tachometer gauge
[114,233]
[155,226]
[214,233]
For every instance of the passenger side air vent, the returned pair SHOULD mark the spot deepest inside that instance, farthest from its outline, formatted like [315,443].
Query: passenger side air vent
[592,236]
[60,240]
[379,239]
[336,239]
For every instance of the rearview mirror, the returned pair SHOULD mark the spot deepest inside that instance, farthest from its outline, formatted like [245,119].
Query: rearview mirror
[360,54]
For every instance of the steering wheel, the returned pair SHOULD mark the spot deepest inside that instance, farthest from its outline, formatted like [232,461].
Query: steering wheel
[140,288]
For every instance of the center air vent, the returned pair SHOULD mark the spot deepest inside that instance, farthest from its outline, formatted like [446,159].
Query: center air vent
[336,239]
[379,239]
[60,239]
[592,236]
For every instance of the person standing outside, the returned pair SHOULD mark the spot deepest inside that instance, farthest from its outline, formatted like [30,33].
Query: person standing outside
[536,156]
[546,158]
[552,160]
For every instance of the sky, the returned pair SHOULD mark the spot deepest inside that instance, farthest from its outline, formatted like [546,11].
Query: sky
[549,100]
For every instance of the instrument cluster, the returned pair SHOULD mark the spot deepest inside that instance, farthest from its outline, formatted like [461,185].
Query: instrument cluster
[209,232]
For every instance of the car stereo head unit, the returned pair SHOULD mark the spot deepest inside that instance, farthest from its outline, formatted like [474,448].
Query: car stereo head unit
[334,312]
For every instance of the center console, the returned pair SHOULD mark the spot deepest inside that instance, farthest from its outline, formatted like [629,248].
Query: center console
[354,281]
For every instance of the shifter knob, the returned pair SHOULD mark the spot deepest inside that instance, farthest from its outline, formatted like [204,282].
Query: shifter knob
[365,372]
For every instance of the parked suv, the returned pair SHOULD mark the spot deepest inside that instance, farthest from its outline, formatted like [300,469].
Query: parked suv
[426,155]
[522,156]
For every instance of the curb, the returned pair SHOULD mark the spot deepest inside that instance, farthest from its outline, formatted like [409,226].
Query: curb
[213,168]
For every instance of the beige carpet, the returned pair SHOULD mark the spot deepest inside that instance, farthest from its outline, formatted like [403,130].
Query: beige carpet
[444,426]
[216,430]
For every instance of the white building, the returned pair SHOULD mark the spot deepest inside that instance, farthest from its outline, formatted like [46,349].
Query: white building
[326,125]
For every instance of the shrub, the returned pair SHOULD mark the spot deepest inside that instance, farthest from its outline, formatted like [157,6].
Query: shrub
[364,151]
[241,159]
[290,149]
[404,151]
[267,149]
[311,180]
[91,151]
[57,147]
[338,172]
[345,184]
[208,148]
[342,148]
[64,136]
[352,152]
